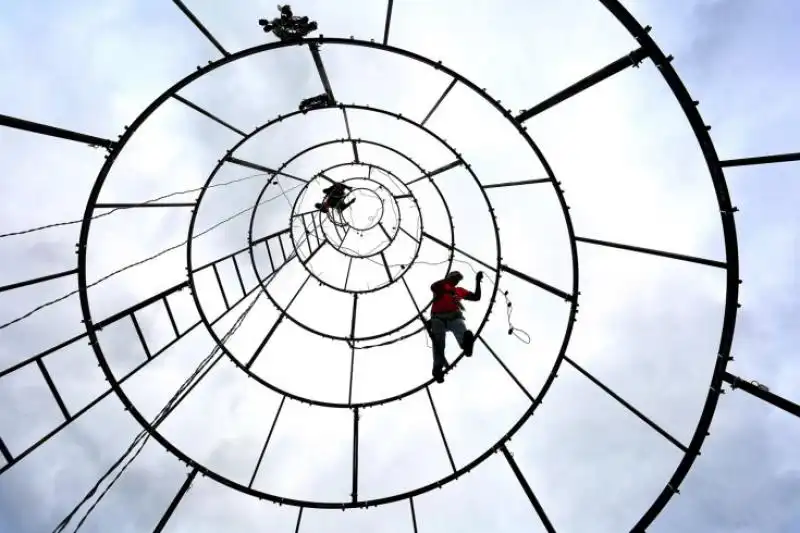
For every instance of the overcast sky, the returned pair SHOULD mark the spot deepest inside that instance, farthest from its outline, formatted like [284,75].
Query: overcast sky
[632,172]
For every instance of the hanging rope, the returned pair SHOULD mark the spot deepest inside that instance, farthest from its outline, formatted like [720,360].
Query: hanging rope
[170,195]
[137,263]
[141,439]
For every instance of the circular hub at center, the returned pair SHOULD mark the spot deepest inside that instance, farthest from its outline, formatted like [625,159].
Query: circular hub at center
[365,209]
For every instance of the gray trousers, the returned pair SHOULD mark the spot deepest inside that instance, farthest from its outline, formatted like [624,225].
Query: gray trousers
[439,326]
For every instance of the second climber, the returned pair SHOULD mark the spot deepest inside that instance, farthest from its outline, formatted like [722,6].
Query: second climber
[335,198]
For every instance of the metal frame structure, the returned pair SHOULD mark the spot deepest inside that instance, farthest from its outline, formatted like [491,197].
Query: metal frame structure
[647,49]
[498,269]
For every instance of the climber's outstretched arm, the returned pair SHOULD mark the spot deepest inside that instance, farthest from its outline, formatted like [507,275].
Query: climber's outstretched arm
[475,295]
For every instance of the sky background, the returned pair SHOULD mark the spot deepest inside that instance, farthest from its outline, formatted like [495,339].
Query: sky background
[648,327]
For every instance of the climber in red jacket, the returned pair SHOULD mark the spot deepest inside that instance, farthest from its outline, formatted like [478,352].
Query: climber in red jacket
[447,315]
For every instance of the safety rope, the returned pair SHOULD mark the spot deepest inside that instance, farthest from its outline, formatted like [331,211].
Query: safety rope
[95,217]
[142,261]
[141,439]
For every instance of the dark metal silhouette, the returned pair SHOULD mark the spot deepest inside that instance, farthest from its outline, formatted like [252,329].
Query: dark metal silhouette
[290,30]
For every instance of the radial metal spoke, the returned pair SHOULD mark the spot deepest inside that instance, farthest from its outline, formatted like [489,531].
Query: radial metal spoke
[53,390]
[441,431]
[508,370]
[516,183]
[350,137]
[262,168]
[439,101]
[269,254]
[131,205]
[528,491]
[347,276]
[452,247]
[316,230]
[628,406]
[221,287]
[265,340]
[760,391]
[413,514]
[352,347]
[388,21]
[266,442]
[355,454]
[280,318]
[541,284]
[175,501]
[283,250]
[409,235]
[138,329]
[5,452]
[445,168]
[299,518]
[312,254]
[386,266]
[401,196]
[52,131]
[383,229]
[650,251]
[171,316]
[323,75]
[40,279]
[761,160]
[200,27]
[629,60]
[208,114]
[238,274]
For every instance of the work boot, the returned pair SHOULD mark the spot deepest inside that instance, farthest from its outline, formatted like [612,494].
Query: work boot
[467,343]
[438,374]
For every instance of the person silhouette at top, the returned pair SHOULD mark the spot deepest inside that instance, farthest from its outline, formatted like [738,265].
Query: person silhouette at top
[334,198]
[447,314]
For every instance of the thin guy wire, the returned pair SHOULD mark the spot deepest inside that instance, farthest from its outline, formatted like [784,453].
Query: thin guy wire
[95,217]
[127,267]
[144,435]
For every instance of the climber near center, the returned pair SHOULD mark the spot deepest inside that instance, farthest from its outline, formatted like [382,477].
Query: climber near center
[447,315]
[334,198]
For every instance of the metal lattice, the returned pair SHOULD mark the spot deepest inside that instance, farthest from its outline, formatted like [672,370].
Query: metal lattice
[308,232]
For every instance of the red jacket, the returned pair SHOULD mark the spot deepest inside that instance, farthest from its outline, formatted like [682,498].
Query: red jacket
[447,297]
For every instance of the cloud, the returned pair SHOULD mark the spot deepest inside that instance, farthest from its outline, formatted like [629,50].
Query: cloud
[648,327]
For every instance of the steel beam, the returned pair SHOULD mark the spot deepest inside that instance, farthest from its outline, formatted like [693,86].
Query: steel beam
[200,27]
[435,172]
[52,131]
[439,101]
[650,251]
[266,442]
[323,75]
[441,431]
[628,406]
[628,60]
[516,183]
[40,279]
[175,501]
[761,392]
[208,114]
[761,160]
[528,491]
[388,21]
